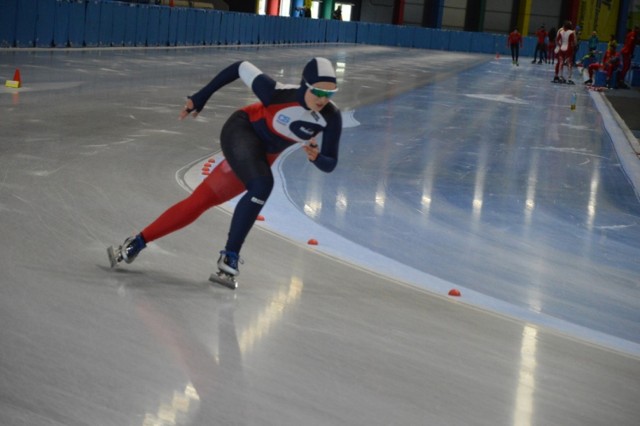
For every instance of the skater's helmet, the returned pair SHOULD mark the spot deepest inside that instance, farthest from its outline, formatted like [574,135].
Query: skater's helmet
[317,70]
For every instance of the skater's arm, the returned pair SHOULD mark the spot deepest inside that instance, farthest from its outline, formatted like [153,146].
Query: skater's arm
[327,159]
[261,84]
[224,77]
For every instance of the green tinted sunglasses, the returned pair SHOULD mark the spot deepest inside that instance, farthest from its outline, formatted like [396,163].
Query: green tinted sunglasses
[321,93]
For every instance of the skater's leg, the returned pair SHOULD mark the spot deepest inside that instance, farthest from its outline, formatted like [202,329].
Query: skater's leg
[246,155]
[247,211]
[220,186]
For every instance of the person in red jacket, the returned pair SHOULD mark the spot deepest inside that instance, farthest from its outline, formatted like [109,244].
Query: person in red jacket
[630,41]
[514,41]
[610,63]
[541,46]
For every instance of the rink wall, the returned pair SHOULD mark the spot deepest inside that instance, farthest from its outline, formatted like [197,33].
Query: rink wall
[94,23]
[107,23]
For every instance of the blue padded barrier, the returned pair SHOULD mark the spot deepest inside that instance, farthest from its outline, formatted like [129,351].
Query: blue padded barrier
[105,29]
[131,25]
[255,26]
[201,17]
[164,14]
[333,29]
[61,30]
[141,27]
[244,29]
[460,41]
[46,23]
[234,36]
[223,34]
[153,26]
[8,23]
[483,43]
[173,27]
[500,45]
[191,27]
[181,35]
[119,24]
[363,32]
[26,23]
[92,24]
[216,25]
[389,35]
[422,38]
[404,37]
[528,46]
[77,24]
[440,40]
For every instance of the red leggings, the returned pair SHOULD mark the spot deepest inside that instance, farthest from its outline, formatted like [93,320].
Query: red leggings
[220,186]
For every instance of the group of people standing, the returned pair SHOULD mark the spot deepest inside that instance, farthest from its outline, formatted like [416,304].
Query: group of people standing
[545,50]
[561,46]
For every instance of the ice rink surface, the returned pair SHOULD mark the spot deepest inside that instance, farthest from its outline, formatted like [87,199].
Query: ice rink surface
[456,171]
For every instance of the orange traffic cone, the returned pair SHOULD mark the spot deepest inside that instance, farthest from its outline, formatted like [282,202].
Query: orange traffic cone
[16,82]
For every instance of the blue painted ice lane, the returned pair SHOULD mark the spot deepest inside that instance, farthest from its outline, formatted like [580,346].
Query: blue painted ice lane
[490,181]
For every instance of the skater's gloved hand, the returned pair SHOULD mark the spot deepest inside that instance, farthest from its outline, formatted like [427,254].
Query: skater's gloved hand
[312,150]
[189,108]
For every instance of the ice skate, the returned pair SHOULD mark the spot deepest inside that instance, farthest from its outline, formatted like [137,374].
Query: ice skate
[570,81]
[227,270]
[128,251]
[556,79]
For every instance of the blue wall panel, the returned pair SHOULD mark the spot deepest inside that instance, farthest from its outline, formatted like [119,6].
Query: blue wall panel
[346,33]
[460,41]
[26,16]
[440,40]
[92,24]
[45,23]
[236,29]
[333,30]
[131,25]
[189,39]
[76,23]
[141,27]
[213,25]
[106,23]
[163,26]
[61,29]
[481,42]
[405,36]
[200,26]
[77,19]
[8,23]
[119,24]
[173,26]
[153,26]
[389,35]
[181,34]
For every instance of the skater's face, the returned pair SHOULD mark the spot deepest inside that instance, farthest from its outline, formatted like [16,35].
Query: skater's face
[317,95]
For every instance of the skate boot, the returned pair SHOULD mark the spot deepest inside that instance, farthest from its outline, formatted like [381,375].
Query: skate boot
[556,79]
[227,269]
[588,82]
[128,251]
